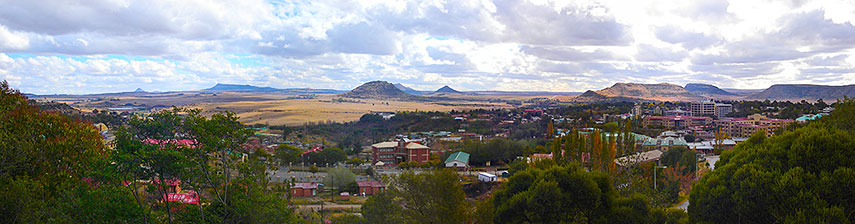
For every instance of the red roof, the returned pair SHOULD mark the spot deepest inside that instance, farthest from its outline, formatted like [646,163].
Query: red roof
[316,149]
[189,198]
[372,183]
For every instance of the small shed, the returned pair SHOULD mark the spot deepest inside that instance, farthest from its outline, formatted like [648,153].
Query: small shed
[486,177]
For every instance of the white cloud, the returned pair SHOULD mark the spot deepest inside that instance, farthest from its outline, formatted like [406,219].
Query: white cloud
[68,47]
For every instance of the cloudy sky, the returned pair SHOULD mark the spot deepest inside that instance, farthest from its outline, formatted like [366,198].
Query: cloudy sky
[93,46]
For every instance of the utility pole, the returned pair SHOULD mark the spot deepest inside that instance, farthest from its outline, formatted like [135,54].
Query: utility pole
[654,174]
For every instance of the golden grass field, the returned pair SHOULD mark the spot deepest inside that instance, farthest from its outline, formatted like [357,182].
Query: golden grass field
[323,109]
[279,109]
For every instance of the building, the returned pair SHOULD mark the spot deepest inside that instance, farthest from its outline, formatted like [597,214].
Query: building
[459,160]
[707,147]
[637,111]
[486,177]
[678,122]
[370,187]
[677,112]
[404,150]
[304,189]
[709,107]
[663,144]
[744,127]
[722,109]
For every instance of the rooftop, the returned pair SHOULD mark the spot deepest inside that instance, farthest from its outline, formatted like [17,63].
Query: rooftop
[459,156]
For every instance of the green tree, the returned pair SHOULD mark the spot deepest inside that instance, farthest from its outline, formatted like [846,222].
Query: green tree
[382,208]
[287,154]
[340,178]
[429,197]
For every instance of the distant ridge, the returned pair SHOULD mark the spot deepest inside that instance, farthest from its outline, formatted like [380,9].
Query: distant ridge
[250,88]
[409,90]
[139,90]
[241,88]
[706,90]
[378,90]
[804,92]
[447,90]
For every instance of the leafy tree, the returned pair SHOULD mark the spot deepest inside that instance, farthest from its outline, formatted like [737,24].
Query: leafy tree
[800,176]
[340,178]
[327,156]
[382,208]
[428,197]
[50,169]
[286,154]
[567,194]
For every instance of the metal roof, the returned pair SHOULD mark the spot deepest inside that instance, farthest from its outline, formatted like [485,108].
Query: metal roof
[459,156]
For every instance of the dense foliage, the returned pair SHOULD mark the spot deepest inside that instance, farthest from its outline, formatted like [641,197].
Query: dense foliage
[46,164]
[570,194]
[804,175]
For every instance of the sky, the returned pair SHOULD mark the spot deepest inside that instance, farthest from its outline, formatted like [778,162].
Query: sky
[97,46]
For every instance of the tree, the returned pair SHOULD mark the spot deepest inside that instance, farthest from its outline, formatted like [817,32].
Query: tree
[800,176]
[340,178]
[286,154]
[382,208]
[567,194]
[428,197]
[51,169]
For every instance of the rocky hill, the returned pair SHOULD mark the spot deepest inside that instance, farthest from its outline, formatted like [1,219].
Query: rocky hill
[593,96]
[804,92]
[447,90]
[706,90]
[378,90]
[642,92]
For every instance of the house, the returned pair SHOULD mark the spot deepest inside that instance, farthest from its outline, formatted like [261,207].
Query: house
[304,189]
[459,160]
[404,150]
[486,177]
[370,187]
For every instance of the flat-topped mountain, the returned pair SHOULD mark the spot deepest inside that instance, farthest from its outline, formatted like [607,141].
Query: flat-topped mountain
[804,92]
[654,92]
[241,88]
[447,90]
[706,90]
[377,90]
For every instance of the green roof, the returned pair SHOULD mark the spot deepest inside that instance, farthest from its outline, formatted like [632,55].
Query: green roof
[459,156]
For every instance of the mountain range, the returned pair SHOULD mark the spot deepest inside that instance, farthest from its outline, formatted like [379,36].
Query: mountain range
[628,92]
[249,88]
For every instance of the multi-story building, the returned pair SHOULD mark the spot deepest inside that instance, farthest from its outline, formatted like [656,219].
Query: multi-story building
[722,109]
[403,150]
[708,107]
[637,111]
[744,127]
[678,122]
